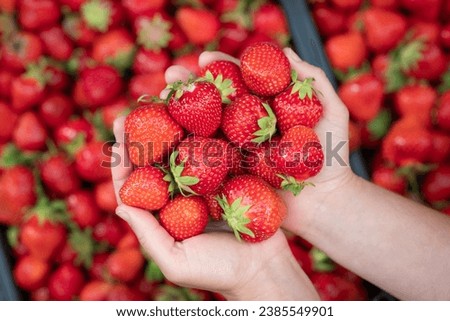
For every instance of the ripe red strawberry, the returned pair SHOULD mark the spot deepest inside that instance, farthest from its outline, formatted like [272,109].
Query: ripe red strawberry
[328,20]
[9,120]
[199,165]
[41,235]
[30,133]
[56,43]
[407,143]
[235,159]
[184,217]
[252,208]
[145,188]
[92,161]
[22,49]
[189,61]
[66,282]
[128,241]
[147,84]
[105,197]
[102,15]
[346,50]
[332,287]
[214,209]
[110,112]
[441,147]
[443,112]
[56,109]
[55,167]
[27,91]
[426,9]
[149,61]
[101,84]
[300,153]
[153,33]
[248,120]
[125,264]
[270,20]
[96,290]
[354,136]
[121,292]
[363,96]
[297,105]
[428,31]
[17,193]
[347,5]
[384,29]
[30,273]
[415,100]
[233,34]
[109,230]
[77,30]
[6,78]
[436,186]
[384,4]
[432,63]
[8,6]
[71,130]
[57,78]
[115,48]
[390,180]
[82,209]
[200,26]
[38,14]
[221,72]
[196,106]
[146,142]
[136,8]
[265,69]
[444,36]
[302,257]
[259,161]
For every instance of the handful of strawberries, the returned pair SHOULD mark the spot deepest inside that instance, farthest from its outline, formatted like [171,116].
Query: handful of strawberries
[221,144]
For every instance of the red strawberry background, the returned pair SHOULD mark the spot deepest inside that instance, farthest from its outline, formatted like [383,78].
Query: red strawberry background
[67,72]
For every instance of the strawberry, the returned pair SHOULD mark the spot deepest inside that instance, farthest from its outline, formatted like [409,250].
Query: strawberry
[22,49]
[328,21]
[199,165]
[265,69]
[72,130]
[102,15]
[270,19]
[30,133]
[251,208]
[232,36]
[196,106]
[443,112]
[332,287]
[121,292]
[388,178]
[415,100]
[145,188]
[66,282]
[92,162]
[235,159]
[407,143]
[248,120]
[354,136]
[441,147]
[128,241]
[6,79]
[9,119]
[189,61]
[110,112]
[55,167]
[17,193]
[95,290]
[431,64]
[136,8]
[428,10]
[436,186]
[184,217]
[153,33]
[27,91]
[108,230]
[82,209]
[101,84]
[300,153]
[428,31]
[73,5]
[363,96]
[302,257]
[146,143]
[124,265]
[383,29]
[105,197]
[347,5]
[147,84]
[41,294]
[115,48]
[56,43]
[259,161]
[297,105]
[346,50]
[149,61]
[30,273]
[38,14]
[221,72]
[214,209]
[8,6]
[200,26]
[384,4]
[78,31]
[57,78]
[41,234]
[56,109]
[444,36]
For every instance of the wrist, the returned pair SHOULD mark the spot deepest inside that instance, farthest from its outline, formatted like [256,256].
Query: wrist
[278,279]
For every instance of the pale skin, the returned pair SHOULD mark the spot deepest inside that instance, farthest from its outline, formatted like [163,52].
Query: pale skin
[397,244]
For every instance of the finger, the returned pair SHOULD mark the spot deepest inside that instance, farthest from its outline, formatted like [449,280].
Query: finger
[207,57]
[176,73]
[151,235]
[164,94]
[121,167]
[119,129]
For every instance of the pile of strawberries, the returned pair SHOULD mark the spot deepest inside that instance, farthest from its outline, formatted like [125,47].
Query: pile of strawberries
[231,132]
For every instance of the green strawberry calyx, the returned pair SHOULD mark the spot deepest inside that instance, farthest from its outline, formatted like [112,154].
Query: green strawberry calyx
[267,126]
[153,272]
[177,181]
[83,244]
[290,184]
[154,34]
[303,88]
[123,59]
[49,211]
[234,215]
[224,85]
[177,88]
[97,14]
[149,99]
[321,261]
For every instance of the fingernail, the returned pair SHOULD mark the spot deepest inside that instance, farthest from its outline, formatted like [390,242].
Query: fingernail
[122,214]
[293,55]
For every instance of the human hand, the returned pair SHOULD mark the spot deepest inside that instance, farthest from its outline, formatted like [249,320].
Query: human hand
[215,260]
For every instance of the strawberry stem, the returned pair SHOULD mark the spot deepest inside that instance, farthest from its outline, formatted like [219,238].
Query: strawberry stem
[234,215]
[267,125]
[97,14]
